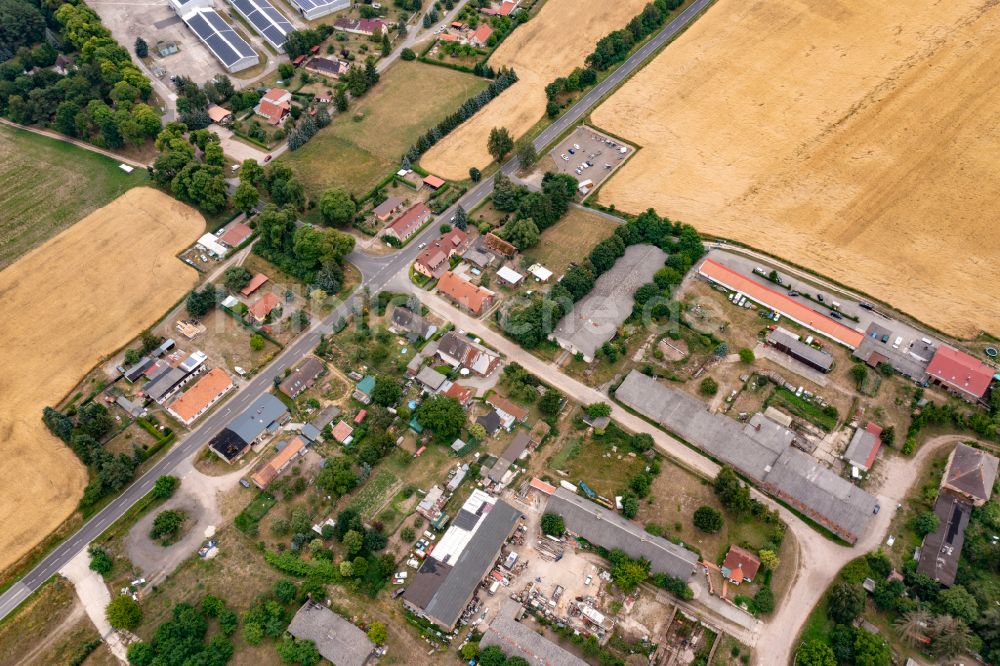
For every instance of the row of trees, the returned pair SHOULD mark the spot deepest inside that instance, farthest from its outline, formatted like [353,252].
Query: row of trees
[615,47]
[505,78]
[102,98]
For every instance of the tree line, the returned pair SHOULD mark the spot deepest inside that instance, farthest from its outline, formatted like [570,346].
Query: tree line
[101,99]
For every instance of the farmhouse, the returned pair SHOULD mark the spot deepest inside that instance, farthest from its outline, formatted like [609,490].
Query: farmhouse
[281,460]
[740,565]
[255,283]
[465,294]
[302,378]
[264,306]
[366,27]
[409,222]
[786,305]
[450,575]
[595,318]
[263,417]
[406,322]
[789,343]
[274,105]
[314,9]
[517,639]
[961,374]
[435,259]
[338,641]
[481,35]
[385,210]
[329,67]
[762,454]
[864,447]
[459,351]
[197,400]
[967,483]
[609,529]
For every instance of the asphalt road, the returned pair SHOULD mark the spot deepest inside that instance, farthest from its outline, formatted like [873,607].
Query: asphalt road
[377,272]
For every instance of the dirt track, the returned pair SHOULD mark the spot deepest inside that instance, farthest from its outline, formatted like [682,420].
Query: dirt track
[67,304]
[858,139]
[548,46]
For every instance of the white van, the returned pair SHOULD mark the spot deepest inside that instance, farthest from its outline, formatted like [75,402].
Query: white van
[899,341]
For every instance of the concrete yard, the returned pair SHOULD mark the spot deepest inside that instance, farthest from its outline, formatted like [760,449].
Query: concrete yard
[588,146]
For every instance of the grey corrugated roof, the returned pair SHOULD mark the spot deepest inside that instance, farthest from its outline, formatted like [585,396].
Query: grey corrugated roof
[310,432]
[510,455]
[256,418]
[610,530]
[517,639]
[784,471]
[942,548]
[426,582]
[325,417]
[430,378]
[302,378]
[159,387]
[800,349]
[595,318]
[451,598]
[860,448]
[337,640]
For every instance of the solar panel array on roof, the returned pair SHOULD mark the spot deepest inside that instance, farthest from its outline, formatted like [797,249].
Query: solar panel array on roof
[312,9]
[231,49]
[265,19]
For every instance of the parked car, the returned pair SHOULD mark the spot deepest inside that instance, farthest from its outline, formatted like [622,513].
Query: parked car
[836,315]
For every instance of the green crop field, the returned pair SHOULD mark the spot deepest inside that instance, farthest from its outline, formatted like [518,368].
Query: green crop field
[47,185]
[363,145]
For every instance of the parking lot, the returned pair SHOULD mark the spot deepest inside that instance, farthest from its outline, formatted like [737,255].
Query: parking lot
[590,157]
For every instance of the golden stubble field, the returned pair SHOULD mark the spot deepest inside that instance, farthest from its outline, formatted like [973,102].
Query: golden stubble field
[857,138]
[67,304]
[548,46]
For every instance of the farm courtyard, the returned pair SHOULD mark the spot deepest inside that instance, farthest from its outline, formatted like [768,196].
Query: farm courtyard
[861,144]
[364,145]
[69,303]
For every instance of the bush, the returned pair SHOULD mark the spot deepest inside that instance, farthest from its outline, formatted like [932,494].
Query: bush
[167,526]
[764,600]
[924,523]
[123,613]
[708,519]
[407,54]
[553,524]
[708,386]
[165,487]
[100,561]
[746,356]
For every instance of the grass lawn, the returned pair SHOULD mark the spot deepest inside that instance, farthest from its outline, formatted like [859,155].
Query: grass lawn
[357,154]
[47,185]
[570,239]
[592,460]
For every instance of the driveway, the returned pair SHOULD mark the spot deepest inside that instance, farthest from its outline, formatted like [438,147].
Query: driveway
[235,148]
[94,595]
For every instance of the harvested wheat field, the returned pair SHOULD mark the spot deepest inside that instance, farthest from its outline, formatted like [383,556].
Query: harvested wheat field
[856,138]
[67,304]
[548,46]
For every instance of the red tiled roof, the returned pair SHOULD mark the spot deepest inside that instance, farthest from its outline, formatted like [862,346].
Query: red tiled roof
[782,303]
[460,393]
[875,430]
[235,234]
[406,224]
[743,562]
[273,112]
[255,283]
[464,293]
[448,37]
[546,488]
[440,250]
[342,431]
[481,34]
[266,474]
[264,306]
[506,8]
[204,392]
[961,371]
[518,412]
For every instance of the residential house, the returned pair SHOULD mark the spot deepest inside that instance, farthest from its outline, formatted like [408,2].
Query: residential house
[407,224]
[406,322]
[342,432]
[255,283]
[281,460]
[464,294]
[864,447]
[961,374]
[366,27]
[333,68]
[435,259]
[235,234]
[263,417]
[274,105]
[463,394]
[197,400]
[970,474]
[491,423]
[264,306]
[219,115]
[363,391]
[302,378]
[481,35]
[385,210]
[459,351]
[337,640]
[510,414]
[740,565]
